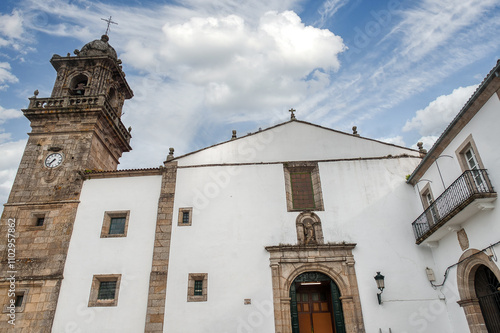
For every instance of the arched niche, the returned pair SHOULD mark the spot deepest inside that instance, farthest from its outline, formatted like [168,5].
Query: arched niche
[309,230]
[78,85]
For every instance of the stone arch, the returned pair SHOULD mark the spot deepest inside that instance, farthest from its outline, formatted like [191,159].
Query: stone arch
[78,84]
[333,260]
[466,271]
[336,277]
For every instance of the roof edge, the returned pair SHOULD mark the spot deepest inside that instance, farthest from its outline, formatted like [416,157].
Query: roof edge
[441,143]
[287,122]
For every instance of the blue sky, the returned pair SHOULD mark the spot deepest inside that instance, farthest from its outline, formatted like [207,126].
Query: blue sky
[399,70]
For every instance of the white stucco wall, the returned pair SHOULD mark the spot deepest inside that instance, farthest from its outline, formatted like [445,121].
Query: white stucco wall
[238,210]
[130,256]
[483,228]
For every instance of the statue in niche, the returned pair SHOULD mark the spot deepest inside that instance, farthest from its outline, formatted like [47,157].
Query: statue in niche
[309,230]
[309,234]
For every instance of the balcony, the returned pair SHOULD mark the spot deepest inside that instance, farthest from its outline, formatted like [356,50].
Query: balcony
[468,194]
[74,102]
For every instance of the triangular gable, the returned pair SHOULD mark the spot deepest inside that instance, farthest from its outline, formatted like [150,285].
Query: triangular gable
[292,141]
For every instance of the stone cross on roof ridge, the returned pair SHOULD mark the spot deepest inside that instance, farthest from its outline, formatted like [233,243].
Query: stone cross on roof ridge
[292,116]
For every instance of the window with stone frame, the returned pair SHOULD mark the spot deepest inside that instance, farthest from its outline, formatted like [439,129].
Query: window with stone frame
[303,186]
[197,287]
[427,201]
[19,301]
[468,155]
[115,224]
[469,159]
[185,216]
[38,220]
[104,290]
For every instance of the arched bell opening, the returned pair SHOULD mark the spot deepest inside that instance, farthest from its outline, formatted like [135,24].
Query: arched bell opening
[78,85]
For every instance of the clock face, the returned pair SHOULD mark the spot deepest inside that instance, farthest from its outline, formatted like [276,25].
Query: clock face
[53,160]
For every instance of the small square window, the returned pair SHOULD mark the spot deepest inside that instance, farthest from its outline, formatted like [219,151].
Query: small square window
[18,302]
[104,290]
[115,224]
[38,220]
[107,290]
[197,287]
[185,216]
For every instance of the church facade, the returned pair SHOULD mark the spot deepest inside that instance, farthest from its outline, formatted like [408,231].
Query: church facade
[282,230]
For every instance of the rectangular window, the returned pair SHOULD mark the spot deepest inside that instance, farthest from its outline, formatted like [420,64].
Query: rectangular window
[115,224]
[469,159]
[104,290]
[428,202]
[185,216]
[40,221]
[302,190]
[19,300]
[197,287]
[107,290]
[303,186]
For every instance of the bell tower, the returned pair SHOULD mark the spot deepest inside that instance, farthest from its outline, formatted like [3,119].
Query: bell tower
[77,128]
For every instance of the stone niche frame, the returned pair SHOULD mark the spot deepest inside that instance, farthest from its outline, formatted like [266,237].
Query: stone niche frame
[308,220]
[334,260]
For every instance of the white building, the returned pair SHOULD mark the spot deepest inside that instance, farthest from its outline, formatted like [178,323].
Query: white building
[282,230]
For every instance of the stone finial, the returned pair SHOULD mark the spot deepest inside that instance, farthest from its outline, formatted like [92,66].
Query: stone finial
[76,52]
[292,116]
[234,135]
[130,129]
[36,93]
[170,154]
[355,130]
[421,149]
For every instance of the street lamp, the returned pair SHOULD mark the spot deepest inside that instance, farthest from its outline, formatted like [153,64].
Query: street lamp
[379,278]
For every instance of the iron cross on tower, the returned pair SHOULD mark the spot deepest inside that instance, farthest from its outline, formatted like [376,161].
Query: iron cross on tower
[109,22]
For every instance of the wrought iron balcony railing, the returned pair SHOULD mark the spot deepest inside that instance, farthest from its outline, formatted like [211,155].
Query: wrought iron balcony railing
[471,185]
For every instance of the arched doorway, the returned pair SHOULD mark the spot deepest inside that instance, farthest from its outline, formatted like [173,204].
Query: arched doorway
[315,304]
[488,293]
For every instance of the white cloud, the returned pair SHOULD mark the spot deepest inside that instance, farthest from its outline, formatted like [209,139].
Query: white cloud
[6,114]
[328,9]
[241,67]
[6,76]
[395,140]
[431,23]
[434,118]
[11,153]
[11,25]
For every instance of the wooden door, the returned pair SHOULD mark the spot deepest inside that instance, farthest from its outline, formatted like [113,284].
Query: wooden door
[314,309]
